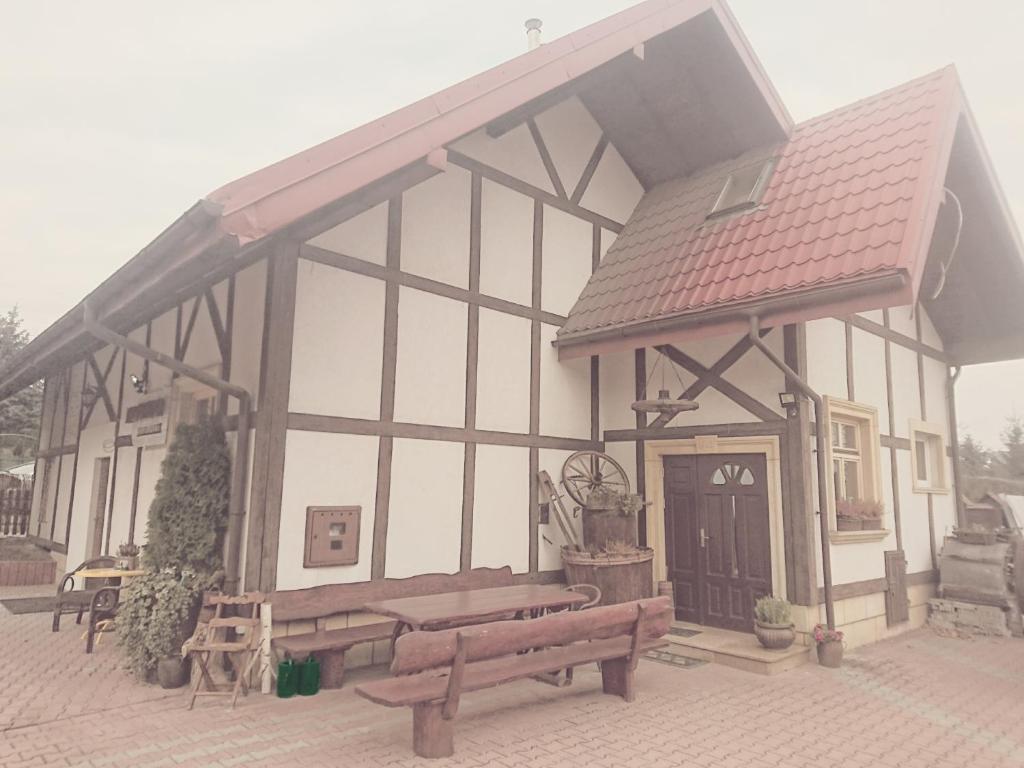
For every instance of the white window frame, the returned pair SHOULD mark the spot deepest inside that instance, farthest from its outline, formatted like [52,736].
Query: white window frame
[935,440]
[865,418]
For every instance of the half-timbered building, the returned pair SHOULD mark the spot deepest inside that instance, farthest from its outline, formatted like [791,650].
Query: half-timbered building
[403,325]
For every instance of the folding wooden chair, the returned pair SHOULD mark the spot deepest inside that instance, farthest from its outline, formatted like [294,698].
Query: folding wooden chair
[238,637]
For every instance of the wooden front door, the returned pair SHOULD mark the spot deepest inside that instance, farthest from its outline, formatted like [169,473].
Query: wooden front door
[718,537]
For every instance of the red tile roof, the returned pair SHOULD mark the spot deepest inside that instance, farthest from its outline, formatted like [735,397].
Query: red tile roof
[271,198]
[849,199]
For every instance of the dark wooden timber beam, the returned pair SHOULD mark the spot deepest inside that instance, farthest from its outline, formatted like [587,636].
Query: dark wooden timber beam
[740,429]
[895,337]
[731,391]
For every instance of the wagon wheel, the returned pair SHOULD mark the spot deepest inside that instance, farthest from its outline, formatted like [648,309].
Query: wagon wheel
[586,470]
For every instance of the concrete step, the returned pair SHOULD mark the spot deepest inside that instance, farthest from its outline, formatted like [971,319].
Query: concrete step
[738,650]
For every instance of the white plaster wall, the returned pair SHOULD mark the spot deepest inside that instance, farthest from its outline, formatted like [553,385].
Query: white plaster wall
[152,458]
[929,335]
[326,470]
[901,320]
[869,375]
[826,357]
[568,249]
[607,238]
[435,228]
[363,237]
[564,391]
[616,391]
[549,553]
[614,190]
[63,497]
[905,392]
[430,379]
[425,512]
[337,350]
[501,508]
[570,133]
[506,244]
[758,377]
[936,394]
[503,373]
[202,351]
[514,153]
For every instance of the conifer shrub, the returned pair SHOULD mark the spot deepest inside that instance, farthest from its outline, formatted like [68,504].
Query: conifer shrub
[183,555]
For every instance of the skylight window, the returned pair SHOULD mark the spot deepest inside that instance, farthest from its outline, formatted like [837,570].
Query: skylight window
[743,189]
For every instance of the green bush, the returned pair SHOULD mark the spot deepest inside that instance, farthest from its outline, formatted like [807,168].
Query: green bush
[156,614]
[184,548]
[188,516]
[773,610]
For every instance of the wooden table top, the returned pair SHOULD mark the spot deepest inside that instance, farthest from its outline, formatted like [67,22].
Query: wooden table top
[106,573]
[465,606]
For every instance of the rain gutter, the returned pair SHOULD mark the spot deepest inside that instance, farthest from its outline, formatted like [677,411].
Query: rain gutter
[236,508]
[819,437]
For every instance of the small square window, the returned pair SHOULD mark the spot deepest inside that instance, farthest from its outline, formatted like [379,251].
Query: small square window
[928,458]
[743,189]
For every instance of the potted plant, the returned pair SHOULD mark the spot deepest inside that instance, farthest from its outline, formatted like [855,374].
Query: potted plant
[847,515]
[870,515]
[975,534]
[127,557]
[183,553]
[829,644]
[610,558]
[773,624]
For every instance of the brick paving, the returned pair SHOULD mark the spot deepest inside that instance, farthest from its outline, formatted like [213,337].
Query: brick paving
[920,701]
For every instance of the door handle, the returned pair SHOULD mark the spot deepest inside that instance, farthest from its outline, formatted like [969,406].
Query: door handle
[704,538]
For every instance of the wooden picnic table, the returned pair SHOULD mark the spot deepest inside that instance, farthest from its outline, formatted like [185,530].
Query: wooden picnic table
[473,606]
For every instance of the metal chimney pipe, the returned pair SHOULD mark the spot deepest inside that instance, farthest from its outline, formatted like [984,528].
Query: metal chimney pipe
[533,33]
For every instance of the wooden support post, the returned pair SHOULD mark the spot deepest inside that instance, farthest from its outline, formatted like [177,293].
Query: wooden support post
[432,735]
[617,678]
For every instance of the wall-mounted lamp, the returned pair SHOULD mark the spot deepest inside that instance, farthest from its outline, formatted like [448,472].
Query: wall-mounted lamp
[787,399]
[138,383]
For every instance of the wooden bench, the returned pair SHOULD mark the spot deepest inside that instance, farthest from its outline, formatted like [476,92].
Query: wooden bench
[318,603]
[435,668]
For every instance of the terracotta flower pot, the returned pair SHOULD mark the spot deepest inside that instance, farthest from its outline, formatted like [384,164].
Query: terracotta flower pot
[848,524]
[830,653]
[775,637]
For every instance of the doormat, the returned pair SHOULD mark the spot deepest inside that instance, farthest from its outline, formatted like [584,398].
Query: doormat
[20,605]
[674,659]
[681,632]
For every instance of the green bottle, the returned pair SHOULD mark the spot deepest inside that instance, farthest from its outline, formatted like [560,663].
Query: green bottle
[309,676]
[287,679]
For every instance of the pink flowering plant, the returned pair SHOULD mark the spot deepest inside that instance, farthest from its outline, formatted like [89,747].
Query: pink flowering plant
[823,634]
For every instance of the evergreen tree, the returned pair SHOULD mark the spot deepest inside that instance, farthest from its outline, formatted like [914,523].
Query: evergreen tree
[975,459]
[188,516]
[19,414]
[1013,448]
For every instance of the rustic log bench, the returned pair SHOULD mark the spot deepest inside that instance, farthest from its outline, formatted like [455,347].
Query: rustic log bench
[316,604]
[435,668]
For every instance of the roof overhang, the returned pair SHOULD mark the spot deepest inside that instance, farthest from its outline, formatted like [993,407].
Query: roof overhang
[840,298]
[339,177]
[181,255]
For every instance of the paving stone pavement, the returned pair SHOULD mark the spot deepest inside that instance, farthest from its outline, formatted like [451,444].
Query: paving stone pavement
[919,701]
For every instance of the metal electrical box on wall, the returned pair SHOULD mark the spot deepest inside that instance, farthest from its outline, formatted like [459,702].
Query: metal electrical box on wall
[332,536]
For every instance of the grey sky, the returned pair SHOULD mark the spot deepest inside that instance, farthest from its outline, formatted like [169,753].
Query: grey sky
[116,116]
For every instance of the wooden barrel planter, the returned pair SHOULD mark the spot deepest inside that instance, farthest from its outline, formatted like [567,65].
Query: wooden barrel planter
[621,577]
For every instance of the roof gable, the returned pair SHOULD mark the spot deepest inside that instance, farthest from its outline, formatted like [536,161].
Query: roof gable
[853,198]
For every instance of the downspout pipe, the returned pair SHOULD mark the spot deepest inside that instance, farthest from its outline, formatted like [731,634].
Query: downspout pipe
[819,439]
[236,503]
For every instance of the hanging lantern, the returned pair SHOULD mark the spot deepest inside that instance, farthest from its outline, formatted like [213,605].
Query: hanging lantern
[664,404]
